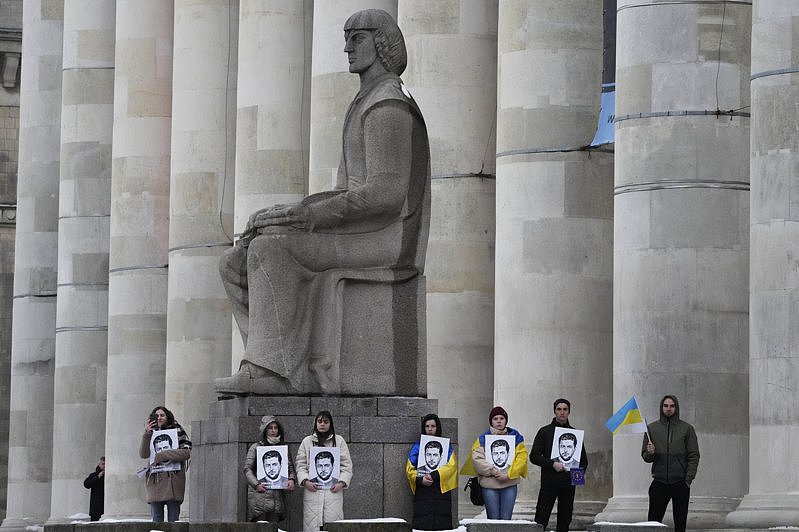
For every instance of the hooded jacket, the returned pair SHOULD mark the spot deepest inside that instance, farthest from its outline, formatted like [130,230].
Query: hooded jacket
[676,456]
[271,501]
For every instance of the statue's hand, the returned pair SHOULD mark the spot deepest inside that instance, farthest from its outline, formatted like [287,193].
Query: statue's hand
[296,215]
[254,216]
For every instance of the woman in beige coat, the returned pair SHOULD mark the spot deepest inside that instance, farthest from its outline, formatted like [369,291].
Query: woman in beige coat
[319,503]
[165,487]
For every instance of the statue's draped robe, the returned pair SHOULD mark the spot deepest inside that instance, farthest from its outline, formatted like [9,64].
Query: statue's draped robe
[286,286]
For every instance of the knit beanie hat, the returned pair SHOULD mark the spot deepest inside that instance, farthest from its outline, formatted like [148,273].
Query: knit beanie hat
[497,411]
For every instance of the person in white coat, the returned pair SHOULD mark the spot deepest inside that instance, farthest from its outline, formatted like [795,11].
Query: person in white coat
[320,506]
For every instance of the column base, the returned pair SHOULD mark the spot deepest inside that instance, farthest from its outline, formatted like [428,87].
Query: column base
[12,524]
[766,510]
[703,512]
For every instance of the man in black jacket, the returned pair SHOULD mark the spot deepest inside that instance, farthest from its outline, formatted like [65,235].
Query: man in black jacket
[673,451]
[95,482]
[555,478]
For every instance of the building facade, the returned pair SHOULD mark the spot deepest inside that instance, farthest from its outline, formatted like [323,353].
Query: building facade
[663,262]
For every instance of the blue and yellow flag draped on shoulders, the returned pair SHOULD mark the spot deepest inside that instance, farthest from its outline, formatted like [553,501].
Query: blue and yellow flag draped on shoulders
[519,466]
[627,419]
[448,473]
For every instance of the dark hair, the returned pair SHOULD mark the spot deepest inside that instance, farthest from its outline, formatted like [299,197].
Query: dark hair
[436,444]
[170,417]
[435,418]
[322,455]
[163,437]
[568,436]
[272,454]
[500,443]
[324,414]
[559,401]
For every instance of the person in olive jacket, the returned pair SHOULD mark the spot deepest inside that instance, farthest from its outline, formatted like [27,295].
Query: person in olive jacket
[673,450]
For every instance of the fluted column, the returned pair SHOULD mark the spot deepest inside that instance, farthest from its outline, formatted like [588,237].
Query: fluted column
[137,298]
[332,85]
[84,202]
[773,496]
[452,75]
[681,241]
[273,102]
[35,267]
[201,203]
[554,226]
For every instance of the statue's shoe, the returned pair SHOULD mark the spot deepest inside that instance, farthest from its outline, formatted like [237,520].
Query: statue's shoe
[252,380]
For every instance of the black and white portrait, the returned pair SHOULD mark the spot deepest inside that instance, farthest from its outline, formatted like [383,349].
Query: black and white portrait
[163,440]
[324,467]
[273,466]
[567,446]
[500,451]
[433,453]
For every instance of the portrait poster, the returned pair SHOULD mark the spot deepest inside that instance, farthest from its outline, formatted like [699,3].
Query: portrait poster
[433,453]
[163,440]
[272,466]
[567,446]
[324,466]
[500,451]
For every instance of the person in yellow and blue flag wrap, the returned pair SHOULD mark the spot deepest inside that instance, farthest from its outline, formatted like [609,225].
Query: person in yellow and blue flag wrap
[499,485]
[432,492]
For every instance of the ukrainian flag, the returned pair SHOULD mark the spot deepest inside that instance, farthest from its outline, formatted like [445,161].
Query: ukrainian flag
[627,419]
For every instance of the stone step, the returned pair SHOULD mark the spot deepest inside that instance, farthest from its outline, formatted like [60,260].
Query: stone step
[147,526]
[497,525]
[368,525]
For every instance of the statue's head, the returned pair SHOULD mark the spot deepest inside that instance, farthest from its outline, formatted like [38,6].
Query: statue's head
[388,38]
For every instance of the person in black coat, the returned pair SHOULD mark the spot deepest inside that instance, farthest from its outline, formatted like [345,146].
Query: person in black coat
[432,500]
[555,478]
[96,483]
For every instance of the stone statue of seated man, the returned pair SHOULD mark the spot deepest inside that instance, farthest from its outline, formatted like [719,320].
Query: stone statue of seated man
[283,276]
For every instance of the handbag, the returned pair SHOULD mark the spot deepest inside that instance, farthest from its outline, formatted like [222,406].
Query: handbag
[475,491]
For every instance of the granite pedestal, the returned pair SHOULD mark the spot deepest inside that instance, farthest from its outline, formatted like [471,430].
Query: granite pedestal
[378,430]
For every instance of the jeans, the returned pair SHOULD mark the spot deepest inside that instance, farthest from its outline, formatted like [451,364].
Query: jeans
[172,511]
[499,502]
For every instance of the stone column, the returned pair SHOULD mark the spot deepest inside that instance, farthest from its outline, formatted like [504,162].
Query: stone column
[84,204]
[201,203]
[11,14]
[773,497]
[35,266]
[273,103]
[137,296]
[554,228]
[681,242]
[332,85]
[452,51]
